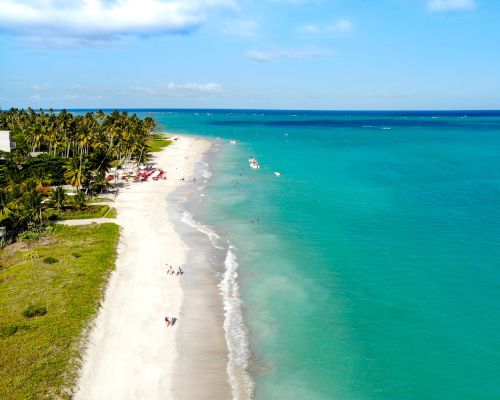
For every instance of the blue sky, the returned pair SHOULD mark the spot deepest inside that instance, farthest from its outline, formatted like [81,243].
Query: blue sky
[288,54]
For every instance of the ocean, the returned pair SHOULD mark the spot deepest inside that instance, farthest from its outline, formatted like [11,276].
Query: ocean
[370,268]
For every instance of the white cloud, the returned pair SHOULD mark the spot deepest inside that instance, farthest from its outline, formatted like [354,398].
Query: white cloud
[341,26]
[310,29]
[73,22]
[301,54]
[241,28]
[451,5]
[42,87]
[35,97]
[182,89]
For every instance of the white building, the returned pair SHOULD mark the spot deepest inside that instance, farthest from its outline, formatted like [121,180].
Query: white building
[5,143]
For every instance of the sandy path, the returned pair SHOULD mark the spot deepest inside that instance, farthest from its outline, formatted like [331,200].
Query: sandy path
[130,352]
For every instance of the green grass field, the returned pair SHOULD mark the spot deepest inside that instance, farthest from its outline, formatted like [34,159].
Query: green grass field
[112,213]
[158,142]
[49,292]
[97,211]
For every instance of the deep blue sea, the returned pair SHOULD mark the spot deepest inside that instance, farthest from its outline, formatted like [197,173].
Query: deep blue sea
[370,269]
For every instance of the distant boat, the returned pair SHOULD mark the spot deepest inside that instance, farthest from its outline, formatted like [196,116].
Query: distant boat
[254,164]
[278,174]
[233,142]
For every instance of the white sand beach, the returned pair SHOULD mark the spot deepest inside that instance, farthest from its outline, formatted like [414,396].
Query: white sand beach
[130,353]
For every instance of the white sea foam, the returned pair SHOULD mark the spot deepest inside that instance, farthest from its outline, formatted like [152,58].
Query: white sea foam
[205,172]
[238,343]
[187,218]
[237,340]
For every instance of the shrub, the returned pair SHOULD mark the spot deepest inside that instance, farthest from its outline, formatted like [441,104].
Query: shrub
[80,200]
[31,235]
[35,311]
[35,234]
[50,260]
[52,215]
[6,331]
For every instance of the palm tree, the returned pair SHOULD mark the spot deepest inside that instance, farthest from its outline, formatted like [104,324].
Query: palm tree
[75,173]
[58,197]
[30,207]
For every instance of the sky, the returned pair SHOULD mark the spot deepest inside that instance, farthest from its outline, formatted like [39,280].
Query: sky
[266,54]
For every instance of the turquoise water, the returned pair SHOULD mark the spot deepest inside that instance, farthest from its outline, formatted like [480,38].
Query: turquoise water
[370,269]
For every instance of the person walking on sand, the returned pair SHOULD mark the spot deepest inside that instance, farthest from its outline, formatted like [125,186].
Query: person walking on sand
[168,321]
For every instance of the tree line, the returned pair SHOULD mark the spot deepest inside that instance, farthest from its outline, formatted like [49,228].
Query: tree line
[58,148]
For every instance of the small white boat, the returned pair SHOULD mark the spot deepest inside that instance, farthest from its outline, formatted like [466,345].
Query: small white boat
[233,142]
[278,174]
[254,164]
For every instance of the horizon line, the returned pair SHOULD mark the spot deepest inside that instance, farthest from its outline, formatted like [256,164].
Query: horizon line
[253,109]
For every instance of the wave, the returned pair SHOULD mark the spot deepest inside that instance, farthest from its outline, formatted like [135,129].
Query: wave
[238,343]
[204,170]
[236,335]
[187,218]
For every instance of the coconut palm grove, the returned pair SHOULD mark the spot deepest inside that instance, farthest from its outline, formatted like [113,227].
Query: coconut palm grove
[56,149]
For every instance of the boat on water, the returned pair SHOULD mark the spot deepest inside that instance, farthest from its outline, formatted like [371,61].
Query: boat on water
[254,164]
[278,174]
[233,142]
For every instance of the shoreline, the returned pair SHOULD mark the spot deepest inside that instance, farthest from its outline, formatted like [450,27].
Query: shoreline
[129,352]
[214,253]
[202,349]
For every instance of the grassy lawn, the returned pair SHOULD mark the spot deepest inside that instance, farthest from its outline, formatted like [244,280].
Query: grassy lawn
[100,200]
[158,142]
[73,213]
[112,213]
[49,292]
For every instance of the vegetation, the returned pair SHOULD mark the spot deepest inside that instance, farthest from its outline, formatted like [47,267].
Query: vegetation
[35,311]
[58,197]
[112,213]
[35,234]
[158,142]
[45,307]
[54,149]
[85,212]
